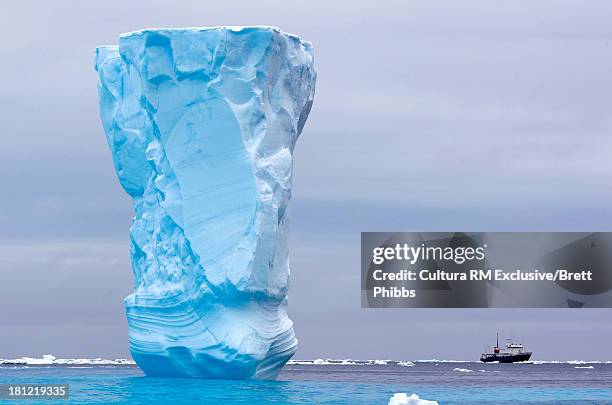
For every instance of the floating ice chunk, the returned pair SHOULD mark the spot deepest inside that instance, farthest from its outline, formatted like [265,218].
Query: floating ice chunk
[463,370]
[201,124]
[46,359]
[49,359]
[442,361]
[401,398]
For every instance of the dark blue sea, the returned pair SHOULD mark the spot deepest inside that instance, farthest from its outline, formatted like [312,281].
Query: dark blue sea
[447,383]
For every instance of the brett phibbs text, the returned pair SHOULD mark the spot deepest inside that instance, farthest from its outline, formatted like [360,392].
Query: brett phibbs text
[410,255]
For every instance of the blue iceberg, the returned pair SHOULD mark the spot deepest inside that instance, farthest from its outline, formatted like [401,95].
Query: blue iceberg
[201,124]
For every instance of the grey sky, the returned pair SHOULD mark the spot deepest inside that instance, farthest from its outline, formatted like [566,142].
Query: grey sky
[429,115]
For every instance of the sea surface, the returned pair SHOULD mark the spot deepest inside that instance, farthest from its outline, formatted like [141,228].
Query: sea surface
[334,383]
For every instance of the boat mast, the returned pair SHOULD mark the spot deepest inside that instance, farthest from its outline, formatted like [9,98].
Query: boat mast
[497,344]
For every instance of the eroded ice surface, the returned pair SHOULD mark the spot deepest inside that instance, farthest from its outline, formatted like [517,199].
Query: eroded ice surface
[202,123]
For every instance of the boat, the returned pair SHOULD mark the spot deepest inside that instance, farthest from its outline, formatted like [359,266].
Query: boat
[513,353]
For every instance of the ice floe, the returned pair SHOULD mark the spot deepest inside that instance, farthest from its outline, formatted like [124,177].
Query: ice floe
[49,359]
[463,370]
[401,398]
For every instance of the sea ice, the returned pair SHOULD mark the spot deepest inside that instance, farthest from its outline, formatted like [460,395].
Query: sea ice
[201,124]
[49,359]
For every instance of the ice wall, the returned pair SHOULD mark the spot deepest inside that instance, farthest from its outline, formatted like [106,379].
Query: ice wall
[201,124]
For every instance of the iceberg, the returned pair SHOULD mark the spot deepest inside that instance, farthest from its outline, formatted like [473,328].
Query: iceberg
[201,124]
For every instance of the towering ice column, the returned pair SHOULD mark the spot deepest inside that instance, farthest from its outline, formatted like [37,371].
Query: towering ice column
[202,123]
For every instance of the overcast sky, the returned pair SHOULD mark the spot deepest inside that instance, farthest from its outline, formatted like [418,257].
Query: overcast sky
[428,115]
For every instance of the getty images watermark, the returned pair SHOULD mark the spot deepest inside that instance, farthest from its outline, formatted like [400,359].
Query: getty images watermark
[486,269]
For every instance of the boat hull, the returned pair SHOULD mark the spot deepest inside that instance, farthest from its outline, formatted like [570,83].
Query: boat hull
[506,358]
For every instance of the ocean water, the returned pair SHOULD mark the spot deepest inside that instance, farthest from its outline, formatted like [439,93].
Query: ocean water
[308,383]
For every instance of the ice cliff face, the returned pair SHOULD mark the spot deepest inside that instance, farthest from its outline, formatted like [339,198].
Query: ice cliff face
[202,123]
